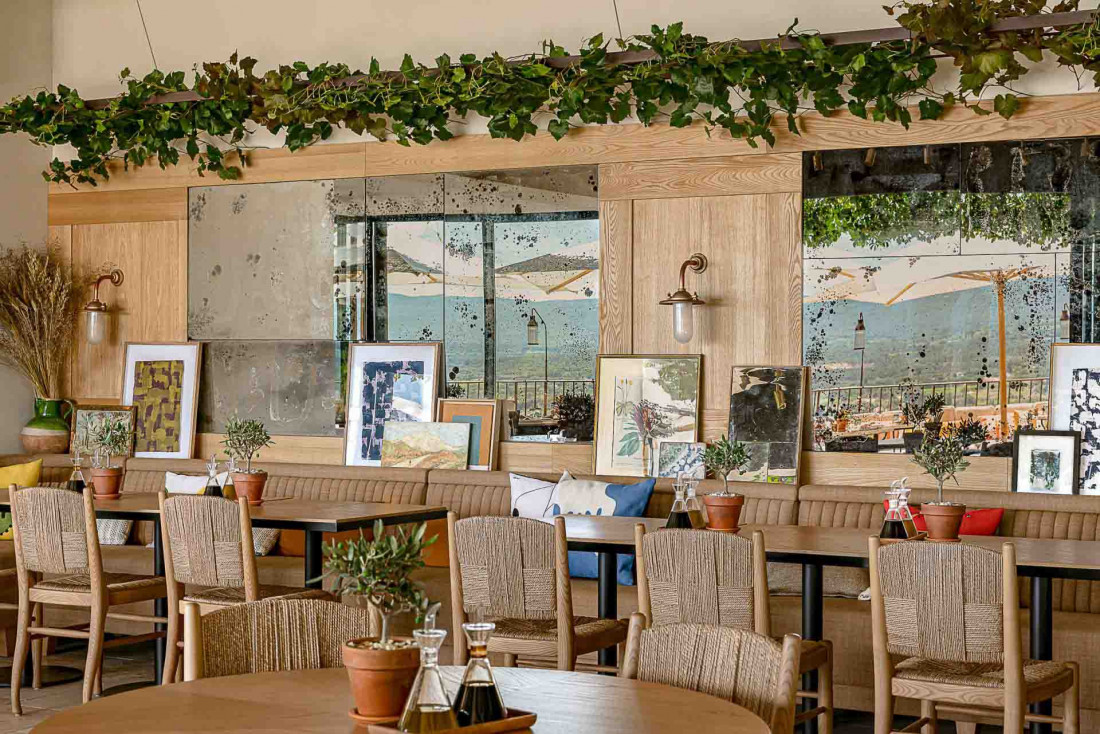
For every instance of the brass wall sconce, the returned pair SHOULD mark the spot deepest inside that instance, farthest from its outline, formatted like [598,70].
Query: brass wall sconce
[682,302]
[95,311]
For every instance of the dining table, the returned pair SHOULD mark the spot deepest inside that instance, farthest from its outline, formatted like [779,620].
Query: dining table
[1039,559]
[318,701]
[314,517]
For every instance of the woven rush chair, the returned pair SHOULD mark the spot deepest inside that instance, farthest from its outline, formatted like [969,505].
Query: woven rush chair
[515,572]
[55,533]
[209,560]
[705,577]
[269,636]
[946,630]
[751,670]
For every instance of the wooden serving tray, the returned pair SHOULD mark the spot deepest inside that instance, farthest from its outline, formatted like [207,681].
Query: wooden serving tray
[517,721]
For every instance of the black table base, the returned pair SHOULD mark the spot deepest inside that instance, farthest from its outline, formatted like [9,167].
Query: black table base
[608,599]
[813,628]
[1042,640]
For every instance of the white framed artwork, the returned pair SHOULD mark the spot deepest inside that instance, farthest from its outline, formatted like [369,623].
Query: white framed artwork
[161,382]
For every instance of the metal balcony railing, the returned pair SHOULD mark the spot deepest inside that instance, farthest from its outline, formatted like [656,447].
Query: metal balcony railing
[534,398]
[959,394]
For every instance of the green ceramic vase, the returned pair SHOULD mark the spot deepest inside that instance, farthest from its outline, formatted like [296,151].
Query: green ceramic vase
[48,431]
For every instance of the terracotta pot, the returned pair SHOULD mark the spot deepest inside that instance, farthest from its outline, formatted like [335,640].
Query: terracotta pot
[723,512]
[250,485]
[943,521]
[107,483]
[380,679]
[841,425]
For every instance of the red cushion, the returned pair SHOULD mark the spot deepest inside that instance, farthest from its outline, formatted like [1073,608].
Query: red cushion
[975,522]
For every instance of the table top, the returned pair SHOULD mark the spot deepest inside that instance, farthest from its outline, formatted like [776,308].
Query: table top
[278,512]
[319,701]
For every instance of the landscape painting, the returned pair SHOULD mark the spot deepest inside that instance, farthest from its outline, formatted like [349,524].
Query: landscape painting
[161,382]
[641,400]
[766,414]
[426,445]
[681,460]
[390,384]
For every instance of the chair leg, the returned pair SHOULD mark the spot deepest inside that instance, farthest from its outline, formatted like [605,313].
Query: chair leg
[966,727]
[1014,717]
[38,648]
[1071,705]
[172,653]
[884,708]
[95,650]
[97,689]
[825,692]
[22,642]
[928,711]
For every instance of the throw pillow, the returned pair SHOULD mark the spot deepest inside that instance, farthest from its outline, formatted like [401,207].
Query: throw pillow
[113,532]
[264,540]
[530,497]
[189,483]
[21,475]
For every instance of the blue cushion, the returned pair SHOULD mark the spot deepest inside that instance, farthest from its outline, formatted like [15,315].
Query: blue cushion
[630,501]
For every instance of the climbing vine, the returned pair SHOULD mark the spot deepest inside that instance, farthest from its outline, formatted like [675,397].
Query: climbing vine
[688,79]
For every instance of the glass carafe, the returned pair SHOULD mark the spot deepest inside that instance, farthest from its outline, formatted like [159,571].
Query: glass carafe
[898,522]
[696,513]
[229,491]
[213,489]
[428,707]
[76,480]
[478,699]
[679,517]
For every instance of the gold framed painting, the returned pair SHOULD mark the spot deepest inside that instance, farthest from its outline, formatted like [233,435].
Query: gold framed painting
[161,382]
[85,416]
[484,416]
[641,400]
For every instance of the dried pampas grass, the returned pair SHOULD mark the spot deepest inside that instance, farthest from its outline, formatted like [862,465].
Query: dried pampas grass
[36,317]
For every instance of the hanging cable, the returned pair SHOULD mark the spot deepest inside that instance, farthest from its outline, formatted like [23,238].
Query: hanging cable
[147,39]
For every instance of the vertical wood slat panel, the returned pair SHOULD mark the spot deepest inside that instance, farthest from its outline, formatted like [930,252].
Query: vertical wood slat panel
[616,277]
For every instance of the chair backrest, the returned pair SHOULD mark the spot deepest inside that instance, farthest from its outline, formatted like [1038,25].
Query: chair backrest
[269,636]
[53,530]
[702,577]
[753,671]
[943,601]
[507,567]
[205,541]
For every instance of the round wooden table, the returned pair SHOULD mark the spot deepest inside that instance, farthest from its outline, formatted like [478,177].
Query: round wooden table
[319,700]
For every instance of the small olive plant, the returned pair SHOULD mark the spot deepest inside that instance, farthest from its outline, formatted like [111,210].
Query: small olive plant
[724,456]
[941,457]
[379,570]
[107,438]
[244,439]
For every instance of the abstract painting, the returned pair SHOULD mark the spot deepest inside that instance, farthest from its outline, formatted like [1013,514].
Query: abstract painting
[1045,461]
[766,411]
[1084,417]
[389,384]
[86,417]
[483,417]
[681,459]
[426,445]
[641,400]
[161,381]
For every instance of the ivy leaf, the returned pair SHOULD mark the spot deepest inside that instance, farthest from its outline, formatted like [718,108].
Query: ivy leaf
[1006,104]
[930,109]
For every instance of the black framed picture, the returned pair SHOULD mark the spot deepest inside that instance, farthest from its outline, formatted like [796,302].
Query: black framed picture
[1046,462]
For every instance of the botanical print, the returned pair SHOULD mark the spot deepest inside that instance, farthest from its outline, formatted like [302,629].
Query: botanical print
[766,414]
[157,399]
[1084,417]
[426,445]
[391,394]
[681,459]
[86,417]
[641,401]
[1046,466]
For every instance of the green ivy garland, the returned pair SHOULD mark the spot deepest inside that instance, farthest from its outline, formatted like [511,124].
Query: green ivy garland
[724,85]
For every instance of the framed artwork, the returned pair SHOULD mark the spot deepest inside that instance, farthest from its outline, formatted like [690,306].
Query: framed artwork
[640,401]
[161,382]
[87,416]
[766,414]
[1046,462]
[681,459]
[484,418]
[1075,404]
[426,445]
[390,383]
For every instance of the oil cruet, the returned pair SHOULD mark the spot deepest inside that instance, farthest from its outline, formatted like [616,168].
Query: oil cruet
[428,707]
[213,489]
[898,523]
[478,700]
[695,510]
[679,516]
[76,480]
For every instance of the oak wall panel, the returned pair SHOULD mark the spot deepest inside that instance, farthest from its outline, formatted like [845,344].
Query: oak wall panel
[142,205]
[715,176]
[989,473]
[616,276]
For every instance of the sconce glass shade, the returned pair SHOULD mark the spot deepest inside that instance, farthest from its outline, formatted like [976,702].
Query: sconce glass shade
[95,325]
[683,322]
[860,341]
[532,332]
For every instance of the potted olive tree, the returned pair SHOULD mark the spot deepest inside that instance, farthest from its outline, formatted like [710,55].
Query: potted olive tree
[724,508]
[108,438]
[381,669]
[942,458]
[243,440]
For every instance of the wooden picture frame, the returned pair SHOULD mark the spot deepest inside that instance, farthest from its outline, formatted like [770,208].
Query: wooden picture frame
[422,409]
[1025,471]
[797,421]
[488,412]
[190,353]
[604,438]
[79,408]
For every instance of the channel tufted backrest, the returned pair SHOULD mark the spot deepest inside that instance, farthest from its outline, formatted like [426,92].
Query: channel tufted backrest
[829,506]
[507,567]
[204,540]
[51,529]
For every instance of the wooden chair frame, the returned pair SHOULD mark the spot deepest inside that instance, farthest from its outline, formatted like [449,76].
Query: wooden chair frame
[38,645]
[968,701]
[814,655]
[98,600]
[783,700]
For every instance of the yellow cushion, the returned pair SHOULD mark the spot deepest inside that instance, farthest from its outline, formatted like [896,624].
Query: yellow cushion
[23,475]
